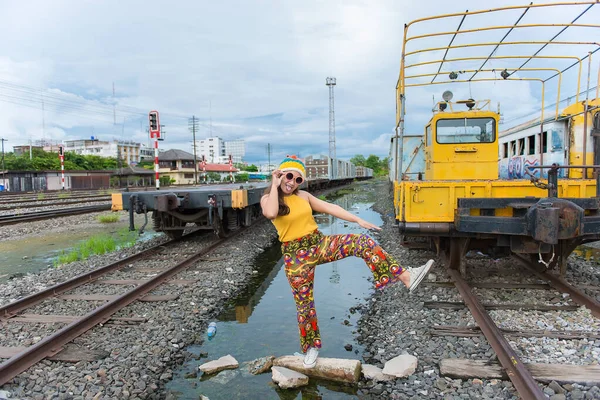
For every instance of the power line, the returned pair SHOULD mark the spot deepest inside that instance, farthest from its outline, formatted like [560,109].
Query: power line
[29,93]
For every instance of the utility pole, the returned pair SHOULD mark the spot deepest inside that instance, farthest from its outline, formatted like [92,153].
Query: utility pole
[210,117]
[193,126]
[269,149]
[330,81]
[3,177]
[114,106]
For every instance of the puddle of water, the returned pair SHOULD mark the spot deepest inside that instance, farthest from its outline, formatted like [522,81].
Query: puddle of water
[262,322]
[33,254]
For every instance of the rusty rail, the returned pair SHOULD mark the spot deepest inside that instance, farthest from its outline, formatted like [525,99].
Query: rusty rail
[10,309]
[36,216]
[52,344]
[66,200]
[561,285]
[515,369]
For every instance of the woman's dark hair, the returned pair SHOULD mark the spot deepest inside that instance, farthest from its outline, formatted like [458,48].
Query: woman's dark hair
[283,208]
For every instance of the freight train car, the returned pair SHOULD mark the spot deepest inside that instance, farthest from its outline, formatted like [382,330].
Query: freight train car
[222,208]
[451,188]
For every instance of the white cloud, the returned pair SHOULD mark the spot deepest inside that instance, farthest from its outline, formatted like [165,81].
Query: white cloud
[261,65]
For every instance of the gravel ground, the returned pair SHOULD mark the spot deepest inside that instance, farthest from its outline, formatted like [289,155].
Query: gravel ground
[141,360]
[394,322]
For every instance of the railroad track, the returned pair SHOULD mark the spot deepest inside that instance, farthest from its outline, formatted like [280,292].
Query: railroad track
[81,289]
[519,373]
[52,201]
[14,196]
[16,218]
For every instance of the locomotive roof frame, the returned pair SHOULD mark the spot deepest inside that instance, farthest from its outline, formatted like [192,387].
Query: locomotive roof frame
[403,77]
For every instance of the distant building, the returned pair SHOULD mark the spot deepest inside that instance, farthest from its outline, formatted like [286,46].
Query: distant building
[127,151]
[147,153]
[45,145]
[24,149]
[215,150]
[237,149]
[27,181]
[211,148]
[179,166]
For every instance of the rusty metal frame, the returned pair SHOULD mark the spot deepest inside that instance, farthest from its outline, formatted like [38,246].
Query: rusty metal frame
[450,44]
[558,34]
[499,43]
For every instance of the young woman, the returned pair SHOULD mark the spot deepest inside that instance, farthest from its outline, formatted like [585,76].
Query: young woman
[304,247]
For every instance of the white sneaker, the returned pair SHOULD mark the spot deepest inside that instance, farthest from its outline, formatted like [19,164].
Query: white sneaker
[310,359]
[417,275]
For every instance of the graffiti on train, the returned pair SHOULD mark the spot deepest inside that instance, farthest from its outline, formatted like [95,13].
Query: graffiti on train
[517,167]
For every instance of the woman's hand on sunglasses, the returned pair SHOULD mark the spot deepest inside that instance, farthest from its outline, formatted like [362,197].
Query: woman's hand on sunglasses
[277,177]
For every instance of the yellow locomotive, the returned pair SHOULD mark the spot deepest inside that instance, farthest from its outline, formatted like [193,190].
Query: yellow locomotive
[457,185]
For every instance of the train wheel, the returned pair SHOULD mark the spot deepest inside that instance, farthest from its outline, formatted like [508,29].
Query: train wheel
[455,250]
[224,227]
[174,233]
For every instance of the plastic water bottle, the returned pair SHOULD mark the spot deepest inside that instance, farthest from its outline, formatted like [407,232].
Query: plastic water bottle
[212,330]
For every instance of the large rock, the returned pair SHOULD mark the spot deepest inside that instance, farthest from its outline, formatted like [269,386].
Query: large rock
[261,365]
[224,377]
[287,378]
[401,366]
[225,362]
[333,369]
[374,373]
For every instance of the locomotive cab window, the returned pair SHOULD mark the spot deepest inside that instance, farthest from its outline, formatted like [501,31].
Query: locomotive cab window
[466,130]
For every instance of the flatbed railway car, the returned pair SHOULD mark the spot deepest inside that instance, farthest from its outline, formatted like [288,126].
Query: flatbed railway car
[221,208]
[453,189]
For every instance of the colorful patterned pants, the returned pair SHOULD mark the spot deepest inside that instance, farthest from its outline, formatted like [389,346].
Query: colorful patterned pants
[302,255]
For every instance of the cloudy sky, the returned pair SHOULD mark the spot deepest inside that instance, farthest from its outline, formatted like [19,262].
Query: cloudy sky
[256,70]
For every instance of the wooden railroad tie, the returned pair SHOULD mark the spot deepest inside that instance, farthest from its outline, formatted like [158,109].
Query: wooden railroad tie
[561,373]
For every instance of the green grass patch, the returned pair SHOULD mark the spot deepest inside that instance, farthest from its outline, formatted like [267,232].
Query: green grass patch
[41,196]
[108,218]
[339,193]
[342,192]
[64,195]
[98,244]
[322,197]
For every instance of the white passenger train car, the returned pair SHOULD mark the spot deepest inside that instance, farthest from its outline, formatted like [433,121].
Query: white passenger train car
[557,141]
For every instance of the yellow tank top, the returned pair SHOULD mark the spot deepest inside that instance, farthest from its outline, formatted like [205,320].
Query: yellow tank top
[299,222]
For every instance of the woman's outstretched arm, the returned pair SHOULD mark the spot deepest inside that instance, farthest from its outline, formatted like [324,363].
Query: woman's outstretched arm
[319,205]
